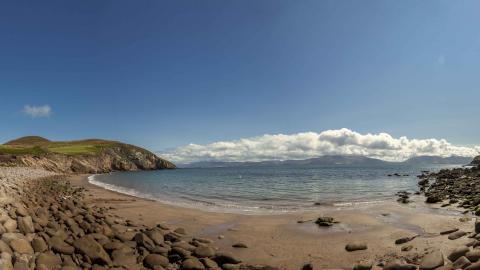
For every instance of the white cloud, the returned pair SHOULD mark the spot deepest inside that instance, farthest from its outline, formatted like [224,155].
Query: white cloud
[312,144]
[37,111]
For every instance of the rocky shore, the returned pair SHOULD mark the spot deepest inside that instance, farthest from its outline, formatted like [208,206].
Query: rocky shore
[459,187]
[48,223]
[45,224]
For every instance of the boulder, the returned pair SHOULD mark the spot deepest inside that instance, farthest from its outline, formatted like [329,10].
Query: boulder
[51,261]
[461,263]
[39,244]
[25,224]
[10,225]
[223,258]
[153,260]
[156,236]
[58,245]
[473,255]
[192,264]
[432,260]
[474,266]
[21,246]
[458,252]
[144,241]
[203,252]
[92,249]
[456,235]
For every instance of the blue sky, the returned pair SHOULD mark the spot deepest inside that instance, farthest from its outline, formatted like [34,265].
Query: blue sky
[162,74]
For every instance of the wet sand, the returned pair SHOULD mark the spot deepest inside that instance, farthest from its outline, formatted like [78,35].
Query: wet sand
[279,240]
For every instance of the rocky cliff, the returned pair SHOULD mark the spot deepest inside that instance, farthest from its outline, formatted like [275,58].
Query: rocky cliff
[88,156]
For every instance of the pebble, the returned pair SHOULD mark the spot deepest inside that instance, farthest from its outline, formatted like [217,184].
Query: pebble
[354,246]
[240,245]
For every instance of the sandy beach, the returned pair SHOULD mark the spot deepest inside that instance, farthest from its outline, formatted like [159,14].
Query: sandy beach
[280,240]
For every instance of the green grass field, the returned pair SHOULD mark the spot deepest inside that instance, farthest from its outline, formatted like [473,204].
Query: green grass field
[38,146]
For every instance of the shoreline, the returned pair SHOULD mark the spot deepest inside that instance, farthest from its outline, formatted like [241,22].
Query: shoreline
[238,209]
[279,240]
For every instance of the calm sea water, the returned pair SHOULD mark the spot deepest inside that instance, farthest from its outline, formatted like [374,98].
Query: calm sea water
[266,189]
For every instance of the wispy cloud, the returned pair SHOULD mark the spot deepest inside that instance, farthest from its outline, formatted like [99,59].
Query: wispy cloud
[313,144]
[37,111]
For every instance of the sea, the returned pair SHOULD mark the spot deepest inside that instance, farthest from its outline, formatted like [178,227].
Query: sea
[268,189]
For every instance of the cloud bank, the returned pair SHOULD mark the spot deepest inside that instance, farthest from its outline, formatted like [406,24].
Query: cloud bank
[37,111]
[311,144]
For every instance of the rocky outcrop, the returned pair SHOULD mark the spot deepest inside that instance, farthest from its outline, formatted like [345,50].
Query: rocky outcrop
[117,157]
[476,161]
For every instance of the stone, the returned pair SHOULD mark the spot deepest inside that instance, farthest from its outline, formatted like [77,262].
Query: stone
[192,264]
[10,225]
[125,259]
[180,231]
[58,245]
[407,248]
[474,266]
[309,266]
[25,225]
[399,266]
[404,240]
[21,246]
[432,260]
[240,245]
[210,264]
[204,251]
[51,261]
[153,260]
[449,231]
[4,247]
[458,252]
[223,257]
[156,236]
[456,235]
[354,246]
[92,249]
[325,221]
[363,265]
[20,209]
[39,244]
[184,245]
[473,255]
[144,241]
[461,263]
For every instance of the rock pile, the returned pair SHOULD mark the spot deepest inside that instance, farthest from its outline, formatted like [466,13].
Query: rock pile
[455,186]
[46,224]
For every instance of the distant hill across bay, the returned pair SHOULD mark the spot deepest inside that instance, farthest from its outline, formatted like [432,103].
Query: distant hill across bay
[334,160]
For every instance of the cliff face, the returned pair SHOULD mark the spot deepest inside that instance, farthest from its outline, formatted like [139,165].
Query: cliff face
[93,156]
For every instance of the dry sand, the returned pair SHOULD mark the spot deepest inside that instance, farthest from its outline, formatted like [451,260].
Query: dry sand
[279,240]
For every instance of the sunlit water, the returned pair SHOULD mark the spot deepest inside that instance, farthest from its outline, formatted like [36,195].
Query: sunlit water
[266,189]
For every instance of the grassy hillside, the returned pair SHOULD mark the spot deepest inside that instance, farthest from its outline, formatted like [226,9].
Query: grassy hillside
[37,145]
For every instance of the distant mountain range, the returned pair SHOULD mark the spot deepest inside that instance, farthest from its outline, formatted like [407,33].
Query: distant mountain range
[334,160]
